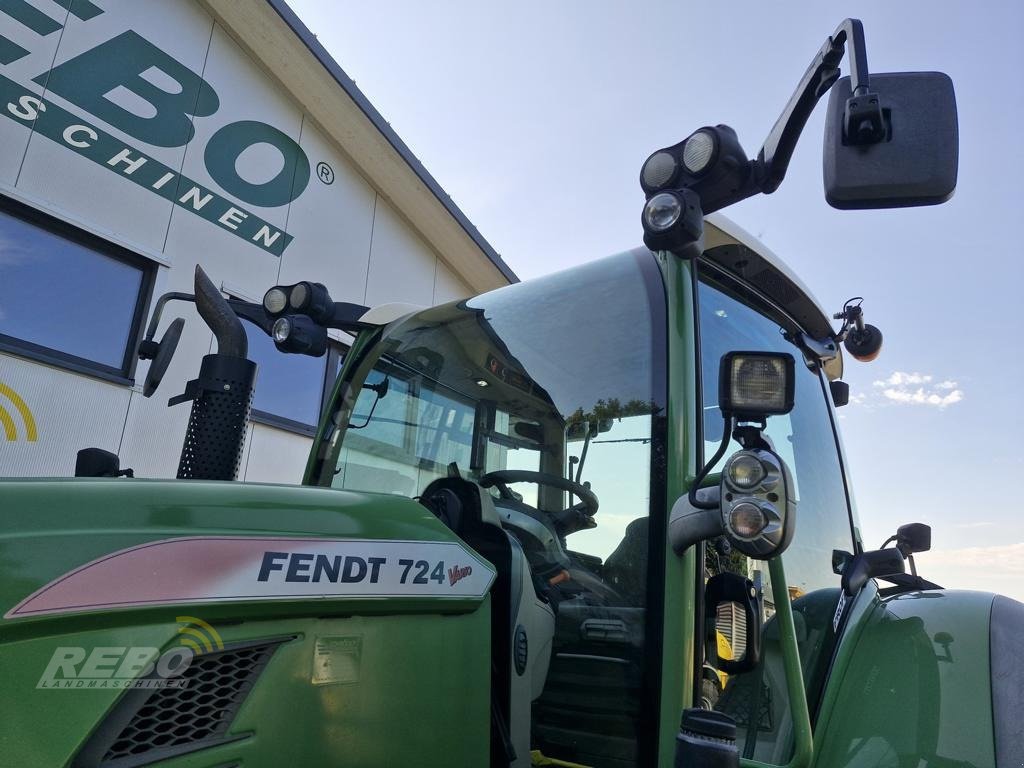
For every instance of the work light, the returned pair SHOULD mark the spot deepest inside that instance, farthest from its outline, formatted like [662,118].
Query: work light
[682,164]
[699,150]
[758,511]
[282,330]
[744,471]
[299,334]
[756,384]
[305,298]
[745,521]
[311,299]
[275,300]
[658,170]
[662,212]
[299,295]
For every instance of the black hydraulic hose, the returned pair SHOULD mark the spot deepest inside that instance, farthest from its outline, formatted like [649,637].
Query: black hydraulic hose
[695,486]
[217,313]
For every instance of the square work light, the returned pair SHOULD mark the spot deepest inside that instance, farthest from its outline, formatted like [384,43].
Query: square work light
[755,385]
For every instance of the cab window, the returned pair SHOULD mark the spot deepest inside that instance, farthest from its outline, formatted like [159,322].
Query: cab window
[562,377]
[805,439]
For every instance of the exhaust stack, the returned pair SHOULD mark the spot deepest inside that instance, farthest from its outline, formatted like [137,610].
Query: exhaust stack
[221,396]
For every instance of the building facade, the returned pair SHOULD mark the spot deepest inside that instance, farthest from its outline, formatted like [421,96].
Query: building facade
[139,139]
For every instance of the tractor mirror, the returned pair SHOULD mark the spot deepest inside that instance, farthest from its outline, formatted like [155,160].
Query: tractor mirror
[580,429]
[731,606]
[913,537]
[868,565]
[895,145]
[95,462]
[161,354]
[840,559]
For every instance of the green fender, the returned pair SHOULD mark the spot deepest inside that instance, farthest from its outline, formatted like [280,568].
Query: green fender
[911,683]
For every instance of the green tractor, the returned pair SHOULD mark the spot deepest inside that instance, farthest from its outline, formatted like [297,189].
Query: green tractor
[498,553]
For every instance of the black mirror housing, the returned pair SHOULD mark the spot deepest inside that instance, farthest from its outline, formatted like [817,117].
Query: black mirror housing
[723,588]
[916,161]
[96,462]
[868,565]
[162,353]
[913,537]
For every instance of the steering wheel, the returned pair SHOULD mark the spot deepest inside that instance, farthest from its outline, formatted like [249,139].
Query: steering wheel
[502,477]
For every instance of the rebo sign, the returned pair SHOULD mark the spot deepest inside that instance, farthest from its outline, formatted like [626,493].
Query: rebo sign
[123,62]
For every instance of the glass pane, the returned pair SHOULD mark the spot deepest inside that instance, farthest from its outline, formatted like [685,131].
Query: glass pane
[558,377]
[63,296]
[805,441]
[287,386]
[403,437]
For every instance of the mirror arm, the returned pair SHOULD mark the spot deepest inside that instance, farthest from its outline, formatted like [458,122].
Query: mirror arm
[344,316]
[773,160]
[254,313]
[154,321]
[852,31]
[348,317]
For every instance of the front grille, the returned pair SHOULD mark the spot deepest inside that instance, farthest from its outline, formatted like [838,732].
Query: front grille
[151,725]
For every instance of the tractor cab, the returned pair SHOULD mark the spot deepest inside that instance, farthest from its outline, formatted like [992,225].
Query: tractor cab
[531,421]
[541,423]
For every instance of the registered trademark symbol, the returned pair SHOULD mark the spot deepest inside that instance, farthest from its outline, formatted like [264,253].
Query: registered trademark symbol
[325,172]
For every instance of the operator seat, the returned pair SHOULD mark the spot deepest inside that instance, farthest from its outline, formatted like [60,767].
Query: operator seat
[626,567]
[522,624]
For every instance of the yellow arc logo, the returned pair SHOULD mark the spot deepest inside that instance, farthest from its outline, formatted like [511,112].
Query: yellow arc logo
[198,635]
[7,420]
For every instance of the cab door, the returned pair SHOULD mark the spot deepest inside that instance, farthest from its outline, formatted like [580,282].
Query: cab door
[731,317]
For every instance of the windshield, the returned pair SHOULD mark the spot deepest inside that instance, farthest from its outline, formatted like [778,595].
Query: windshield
[556,375]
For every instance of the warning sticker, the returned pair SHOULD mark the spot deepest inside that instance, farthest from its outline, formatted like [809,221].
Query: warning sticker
[336,659]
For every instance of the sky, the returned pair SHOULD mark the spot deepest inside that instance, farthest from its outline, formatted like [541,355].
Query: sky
[536,116]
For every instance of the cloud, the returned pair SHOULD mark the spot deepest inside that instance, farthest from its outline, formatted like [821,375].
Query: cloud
[922,396]
[1000,558]
[899,378]
[14,253]
[997,568]
[978,524]
[915,389]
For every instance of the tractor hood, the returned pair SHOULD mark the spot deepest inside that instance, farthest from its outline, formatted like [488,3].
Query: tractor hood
[935,675]
[87,545]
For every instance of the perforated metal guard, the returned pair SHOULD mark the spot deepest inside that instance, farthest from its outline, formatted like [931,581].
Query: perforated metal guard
[215,437]
[152,725]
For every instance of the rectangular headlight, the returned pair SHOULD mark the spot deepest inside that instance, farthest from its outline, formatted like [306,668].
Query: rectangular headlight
[756,384]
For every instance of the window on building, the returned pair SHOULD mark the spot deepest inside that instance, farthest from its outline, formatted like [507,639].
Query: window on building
[290,389]
[67,297]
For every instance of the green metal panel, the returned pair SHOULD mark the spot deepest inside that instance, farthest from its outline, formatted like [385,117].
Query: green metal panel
[680,573]
[910,684]
[419,693]
[50,527]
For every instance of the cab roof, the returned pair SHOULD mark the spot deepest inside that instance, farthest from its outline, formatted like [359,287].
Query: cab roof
[738,252]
